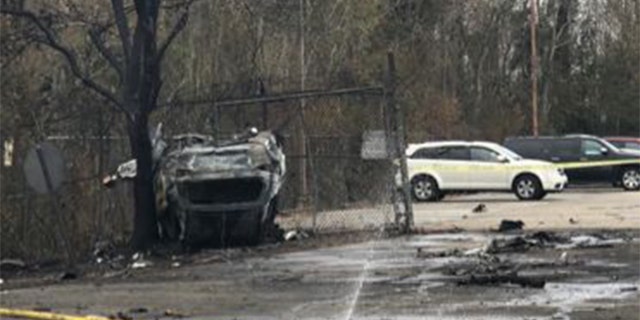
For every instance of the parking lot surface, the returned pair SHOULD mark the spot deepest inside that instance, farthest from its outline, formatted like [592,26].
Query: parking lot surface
[572,209]
[591,272]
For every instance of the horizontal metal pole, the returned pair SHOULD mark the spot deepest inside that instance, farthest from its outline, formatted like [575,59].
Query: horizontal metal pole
[61,137]
[278,97]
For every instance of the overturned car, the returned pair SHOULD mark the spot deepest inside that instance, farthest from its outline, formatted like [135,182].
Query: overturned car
[215,194]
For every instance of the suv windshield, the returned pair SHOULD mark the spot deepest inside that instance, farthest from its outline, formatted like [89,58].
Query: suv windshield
[608,145]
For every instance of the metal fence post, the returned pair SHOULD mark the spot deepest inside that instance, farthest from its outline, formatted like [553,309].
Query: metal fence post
[316,190]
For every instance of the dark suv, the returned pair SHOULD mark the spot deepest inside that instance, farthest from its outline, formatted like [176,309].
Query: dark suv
[579,150]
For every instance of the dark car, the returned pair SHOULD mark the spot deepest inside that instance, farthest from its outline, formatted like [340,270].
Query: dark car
[586,159]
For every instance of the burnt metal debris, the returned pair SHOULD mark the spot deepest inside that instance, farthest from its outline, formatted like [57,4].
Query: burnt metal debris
[510,225]
[211,193]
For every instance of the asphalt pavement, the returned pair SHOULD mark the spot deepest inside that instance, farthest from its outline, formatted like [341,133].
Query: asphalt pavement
[572,209]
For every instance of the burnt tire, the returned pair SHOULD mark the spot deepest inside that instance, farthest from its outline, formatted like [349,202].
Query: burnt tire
[630,179]
[425,188]
[528,187]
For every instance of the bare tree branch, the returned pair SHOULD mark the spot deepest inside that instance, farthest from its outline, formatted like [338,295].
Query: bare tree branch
[98,41]
[123,28]
[52,41]
[175,4]
[177,27]
[96,32]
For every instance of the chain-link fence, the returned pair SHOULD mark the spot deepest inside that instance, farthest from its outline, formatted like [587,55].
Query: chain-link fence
[77,215]
[344,191]
[329,186]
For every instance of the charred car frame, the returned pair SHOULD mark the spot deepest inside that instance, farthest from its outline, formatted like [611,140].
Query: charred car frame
[215,194]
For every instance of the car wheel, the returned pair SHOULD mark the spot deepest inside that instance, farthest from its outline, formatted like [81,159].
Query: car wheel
[541,195]
[425,188]
[630,179]
[528,187]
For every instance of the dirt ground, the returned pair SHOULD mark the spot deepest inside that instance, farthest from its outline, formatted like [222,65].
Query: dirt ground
[588,265]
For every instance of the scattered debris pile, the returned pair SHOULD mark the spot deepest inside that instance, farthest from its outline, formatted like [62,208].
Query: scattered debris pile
[498,278]
[139,261]
[105,253]
[479,208]
[293,235]
[494,265]
[510,225]
[540,239]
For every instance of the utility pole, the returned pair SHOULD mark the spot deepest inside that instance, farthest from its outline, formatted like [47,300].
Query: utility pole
[533,22]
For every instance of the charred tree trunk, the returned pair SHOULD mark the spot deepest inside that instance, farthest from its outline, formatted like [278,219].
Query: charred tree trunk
[145,231]
[141,93]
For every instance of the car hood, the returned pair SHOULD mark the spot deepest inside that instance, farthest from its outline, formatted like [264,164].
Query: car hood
[631,153]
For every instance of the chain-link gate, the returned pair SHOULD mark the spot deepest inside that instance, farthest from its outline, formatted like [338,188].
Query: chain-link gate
[329,186]
[331,183]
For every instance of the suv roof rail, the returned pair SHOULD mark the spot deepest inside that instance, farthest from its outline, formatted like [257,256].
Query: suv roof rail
[579,135]
[572,135]
[530,137]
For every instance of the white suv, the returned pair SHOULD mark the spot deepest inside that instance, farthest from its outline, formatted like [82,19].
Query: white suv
[436,168]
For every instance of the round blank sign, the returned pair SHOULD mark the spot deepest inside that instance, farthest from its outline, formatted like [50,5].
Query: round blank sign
[50,157]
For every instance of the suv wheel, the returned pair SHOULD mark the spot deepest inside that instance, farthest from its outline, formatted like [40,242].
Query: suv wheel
[425,189]
[528,187]
[630,179]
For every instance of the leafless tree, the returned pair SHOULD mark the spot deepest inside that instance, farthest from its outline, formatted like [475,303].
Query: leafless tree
[136,61]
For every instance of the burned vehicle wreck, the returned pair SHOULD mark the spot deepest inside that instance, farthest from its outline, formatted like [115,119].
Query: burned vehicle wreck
[215,194]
